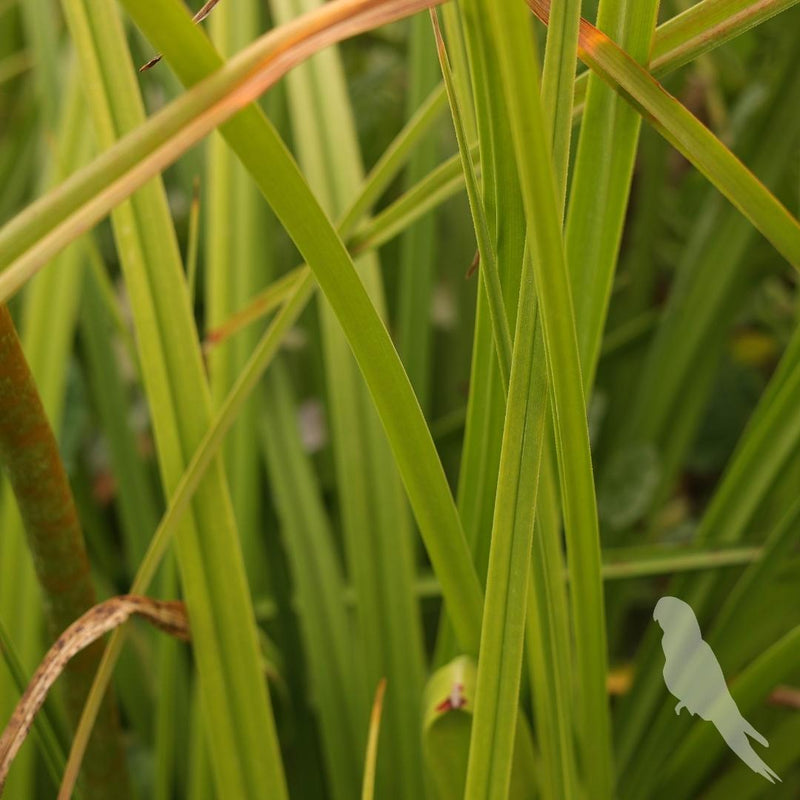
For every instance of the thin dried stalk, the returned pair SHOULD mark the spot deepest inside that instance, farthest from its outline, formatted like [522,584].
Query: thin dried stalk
[169,616]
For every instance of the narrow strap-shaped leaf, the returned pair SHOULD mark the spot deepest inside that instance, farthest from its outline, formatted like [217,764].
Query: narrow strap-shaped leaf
[377,529]
[436,186]
[319,585]
[265,155]
[503,631]
[244,746]
[707,25]
[711,282]
[271,164]
[516,54]
[697,30]
[487,399]
[558,84]
[180,502]
[418,248]
[489,272]
[549,641]
[689,136]
[601,180]
[39,232]
[234,233]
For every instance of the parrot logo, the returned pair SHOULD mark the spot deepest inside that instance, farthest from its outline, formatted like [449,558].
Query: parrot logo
[693,674]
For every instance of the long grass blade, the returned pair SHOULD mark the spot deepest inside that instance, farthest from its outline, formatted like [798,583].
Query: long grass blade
[375,519]
[699,29]
[549,646]
[689,136]
[234,235]
[709,289]
[244,748]
[170,616]
[171,132]
[480,460]
[531,147]
[418,253]
[558,84]
[264,154]
[601,180]
[319,586]
[179,504]
[706,25]
[435,511]
[488,260]
[502,637]
[436,187]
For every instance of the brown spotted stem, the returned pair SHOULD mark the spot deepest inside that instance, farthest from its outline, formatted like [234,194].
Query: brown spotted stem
[30,457]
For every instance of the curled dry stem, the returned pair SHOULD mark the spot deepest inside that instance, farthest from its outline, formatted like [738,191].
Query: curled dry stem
[169,616]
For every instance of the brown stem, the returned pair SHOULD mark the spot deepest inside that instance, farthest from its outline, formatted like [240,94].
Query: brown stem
[29,454]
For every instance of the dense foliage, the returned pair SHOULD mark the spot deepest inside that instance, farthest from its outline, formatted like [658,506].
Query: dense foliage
[419,364]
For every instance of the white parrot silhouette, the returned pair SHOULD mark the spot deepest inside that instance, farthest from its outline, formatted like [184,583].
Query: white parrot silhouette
[693,674]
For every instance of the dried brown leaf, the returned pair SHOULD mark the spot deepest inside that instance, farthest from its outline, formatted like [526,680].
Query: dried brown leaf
[169,616]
